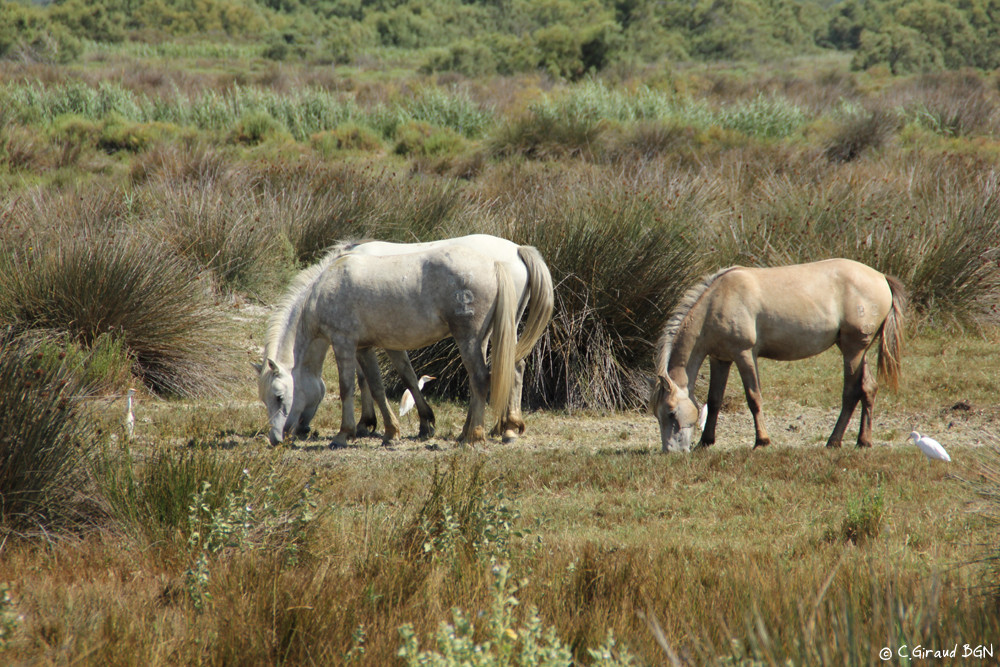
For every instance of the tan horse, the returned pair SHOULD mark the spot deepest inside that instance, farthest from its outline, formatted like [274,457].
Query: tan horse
[354,303]
[785,313]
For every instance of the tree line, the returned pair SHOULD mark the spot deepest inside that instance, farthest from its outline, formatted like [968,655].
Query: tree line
[566,38]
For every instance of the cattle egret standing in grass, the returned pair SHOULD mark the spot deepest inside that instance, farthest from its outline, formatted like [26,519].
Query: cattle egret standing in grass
[406,403]
[129,421]
[703,416]
[930,447]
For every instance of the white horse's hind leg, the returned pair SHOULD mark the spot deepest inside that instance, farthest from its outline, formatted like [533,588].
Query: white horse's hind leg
[369,422]
[479,385]
[369,366]
[511,425]
[401,362]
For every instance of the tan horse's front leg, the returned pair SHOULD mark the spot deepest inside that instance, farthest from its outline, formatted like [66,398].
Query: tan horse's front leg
[346,368]
[718,377]
[369,366]
[746,362]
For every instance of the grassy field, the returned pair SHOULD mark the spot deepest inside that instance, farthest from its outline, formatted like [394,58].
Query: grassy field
[148,223]
[794,552]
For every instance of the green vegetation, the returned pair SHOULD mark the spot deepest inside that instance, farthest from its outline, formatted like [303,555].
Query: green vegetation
[564,38]
[166,168]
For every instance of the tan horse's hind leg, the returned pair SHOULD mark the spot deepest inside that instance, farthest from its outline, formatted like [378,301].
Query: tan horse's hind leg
[369,365]
[859,385]
[718,377]
[746,362]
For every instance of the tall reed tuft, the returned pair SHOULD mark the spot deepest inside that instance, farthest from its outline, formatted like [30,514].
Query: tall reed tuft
[93,283]
[44,437]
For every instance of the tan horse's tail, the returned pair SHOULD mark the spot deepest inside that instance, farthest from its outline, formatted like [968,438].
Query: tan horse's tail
[503,342]
[541,299]
[890,350]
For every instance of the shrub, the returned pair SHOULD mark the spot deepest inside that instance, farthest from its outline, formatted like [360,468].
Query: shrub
[859,132]
[863,520]
[222,227]
[44,433]
[418,138]
[346,137]
[255,127]
[121,283]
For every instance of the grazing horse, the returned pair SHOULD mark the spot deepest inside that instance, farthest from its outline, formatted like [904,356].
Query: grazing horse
[785,313]
[355,303]
[533,286]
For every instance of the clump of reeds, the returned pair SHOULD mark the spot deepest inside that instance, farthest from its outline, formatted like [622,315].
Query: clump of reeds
[91,283]
[44,437]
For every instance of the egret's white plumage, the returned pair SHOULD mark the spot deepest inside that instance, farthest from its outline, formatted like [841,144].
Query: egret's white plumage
[129,420]
[930,447]
[703,416]
[406,403]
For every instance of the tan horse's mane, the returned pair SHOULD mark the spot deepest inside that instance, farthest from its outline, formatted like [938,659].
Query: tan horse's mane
[687,302]
[279,319]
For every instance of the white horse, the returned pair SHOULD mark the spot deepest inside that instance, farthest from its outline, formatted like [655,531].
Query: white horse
[533,286]
[354,303]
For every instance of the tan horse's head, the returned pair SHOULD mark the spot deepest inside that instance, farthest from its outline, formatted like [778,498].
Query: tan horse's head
[676,412]
[276,389]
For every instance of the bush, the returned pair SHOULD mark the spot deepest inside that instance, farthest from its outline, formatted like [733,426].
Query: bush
[859,132]
[44,433]
[116,282]
[346,137]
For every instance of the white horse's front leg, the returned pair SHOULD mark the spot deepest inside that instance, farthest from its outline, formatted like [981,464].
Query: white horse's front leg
[346,368]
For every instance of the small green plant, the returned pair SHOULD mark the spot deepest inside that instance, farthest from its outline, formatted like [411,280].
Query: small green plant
[865,512]
[463,518]
[239,521]
[507,642]
[10,618]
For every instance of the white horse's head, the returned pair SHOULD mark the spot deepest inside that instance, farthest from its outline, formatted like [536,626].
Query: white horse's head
[276,389]
[676,413]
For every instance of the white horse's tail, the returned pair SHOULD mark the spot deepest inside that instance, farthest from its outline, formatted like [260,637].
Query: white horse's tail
[503,342]
[541,299]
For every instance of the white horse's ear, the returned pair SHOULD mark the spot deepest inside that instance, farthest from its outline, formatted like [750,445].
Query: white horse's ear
[258,368]
[272,366]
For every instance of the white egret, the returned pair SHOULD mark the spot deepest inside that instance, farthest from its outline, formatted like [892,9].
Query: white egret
[129,421]
[703,416]
[406,403]
[930,447]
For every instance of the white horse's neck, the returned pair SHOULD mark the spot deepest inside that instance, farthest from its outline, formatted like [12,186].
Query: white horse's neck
[287,338]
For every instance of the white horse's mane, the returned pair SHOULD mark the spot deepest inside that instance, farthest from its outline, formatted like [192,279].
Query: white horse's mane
[684,306]
[278,322]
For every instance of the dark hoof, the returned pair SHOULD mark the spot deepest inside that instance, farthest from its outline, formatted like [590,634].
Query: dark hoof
[426,432]
[704,444]
[763,442]
[834,444]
